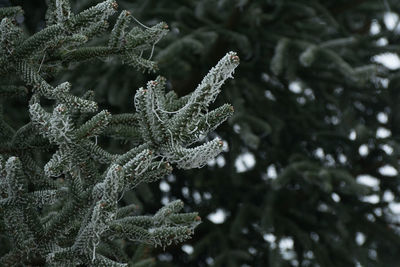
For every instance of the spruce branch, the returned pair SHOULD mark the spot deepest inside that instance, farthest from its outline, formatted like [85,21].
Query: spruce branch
[170,132]
[10,11]
[64,208]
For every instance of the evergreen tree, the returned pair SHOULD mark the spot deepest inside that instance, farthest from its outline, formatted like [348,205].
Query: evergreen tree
[310,98]
[310,103]
[60,191]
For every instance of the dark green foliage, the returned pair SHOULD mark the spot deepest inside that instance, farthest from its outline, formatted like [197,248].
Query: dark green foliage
[324,52]
[308,81]
[306,97]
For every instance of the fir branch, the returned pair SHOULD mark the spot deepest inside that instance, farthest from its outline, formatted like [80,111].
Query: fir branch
[64,211]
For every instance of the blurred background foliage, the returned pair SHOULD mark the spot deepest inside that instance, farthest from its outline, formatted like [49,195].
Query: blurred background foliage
[310,175]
